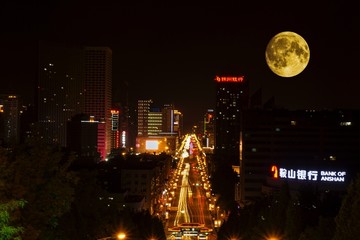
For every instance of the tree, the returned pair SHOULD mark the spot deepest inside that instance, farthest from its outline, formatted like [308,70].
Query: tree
[39,174]
[7,231]
[347,220]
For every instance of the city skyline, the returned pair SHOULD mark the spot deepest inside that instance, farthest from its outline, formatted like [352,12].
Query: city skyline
[172,53]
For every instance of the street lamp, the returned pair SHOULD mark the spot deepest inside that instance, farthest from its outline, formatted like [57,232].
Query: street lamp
[121,236]
[273,237]
[118,236]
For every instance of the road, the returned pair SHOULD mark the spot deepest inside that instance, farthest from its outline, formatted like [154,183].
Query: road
[189,210]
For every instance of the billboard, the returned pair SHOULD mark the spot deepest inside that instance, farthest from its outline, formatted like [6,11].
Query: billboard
[152,145]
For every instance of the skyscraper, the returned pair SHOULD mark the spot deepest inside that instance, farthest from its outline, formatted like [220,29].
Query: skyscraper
[142,116]
[60,91]
[208,129]
[98,92]
[232,97]
[157,125]
[74,80]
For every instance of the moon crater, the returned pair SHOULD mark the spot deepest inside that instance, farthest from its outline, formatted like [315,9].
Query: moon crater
[287,54]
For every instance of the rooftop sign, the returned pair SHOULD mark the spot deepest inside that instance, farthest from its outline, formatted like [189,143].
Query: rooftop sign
[308,175]
[229,79]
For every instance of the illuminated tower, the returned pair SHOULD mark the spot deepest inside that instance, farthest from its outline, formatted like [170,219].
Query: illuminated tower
[142,116]
[178,122]
[209,133]
[232,97]
[98,86]
[115,129]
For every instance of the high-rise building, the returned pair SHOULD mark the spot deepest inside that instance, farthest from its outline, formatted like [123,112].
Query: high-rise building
[154,122]
[115,128]
[98,93]
[232,97]
[143,110]
[74,80]
[10,108]
[208,133]
[82,136]
[60,92]
[305,147]
[158,127]
[178,122]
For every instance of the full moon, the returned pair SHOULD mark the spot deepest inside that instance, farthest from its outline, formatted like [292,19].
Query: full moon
[287,54]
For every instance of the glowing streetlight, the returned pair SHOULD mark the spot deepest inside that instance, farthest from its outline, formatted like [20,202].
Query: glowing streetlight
[118,236]
[273,238]
[121,236]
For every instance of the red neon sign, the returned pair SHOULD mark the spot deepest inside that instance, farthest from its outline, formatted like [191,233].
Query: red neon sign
[275,170]
[229,79]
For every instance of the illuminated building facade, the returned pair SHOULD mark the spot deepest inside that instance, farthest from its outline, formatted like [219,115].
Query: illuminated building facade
[232,98]
[178,122]
[142,116]
[168,118]
[154,122]
[158,127]
[301,147]
[60,92]
[120,130]
[209,129]
[10,107]
[98,93]
[115,129]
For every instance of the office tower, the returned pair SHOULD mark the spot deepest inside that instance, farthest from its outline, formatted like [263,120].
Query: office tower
[178,122]
[168,118]
[10,108]
[158,127]
[154,121]
[304,142]
[142,116]
[209,129]
[82,136]
[126,130]
[232,97]
[172,120]
[115,128]
[60,92]
[98,90]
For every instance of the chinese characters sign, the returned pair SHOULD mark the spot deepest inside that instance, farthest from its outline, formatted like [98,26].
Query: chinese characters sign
[308,175]
[229,79]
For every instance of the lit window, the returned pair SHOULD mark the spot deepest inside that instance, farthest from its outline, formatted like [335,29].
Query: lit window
[345,123]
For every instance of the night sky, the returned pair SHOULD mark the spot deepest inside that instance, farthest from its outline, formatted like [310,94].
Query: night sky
[171,52]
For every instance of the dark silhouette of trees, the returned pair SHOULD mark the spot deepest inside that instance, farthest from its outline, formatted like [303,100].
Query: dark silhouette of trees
[347,220]
[37,173]
[62,202]
[305,214]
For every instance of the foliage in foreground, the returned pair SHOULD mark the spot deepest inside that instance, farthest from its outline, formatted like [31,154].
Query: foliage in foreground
[8,231]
